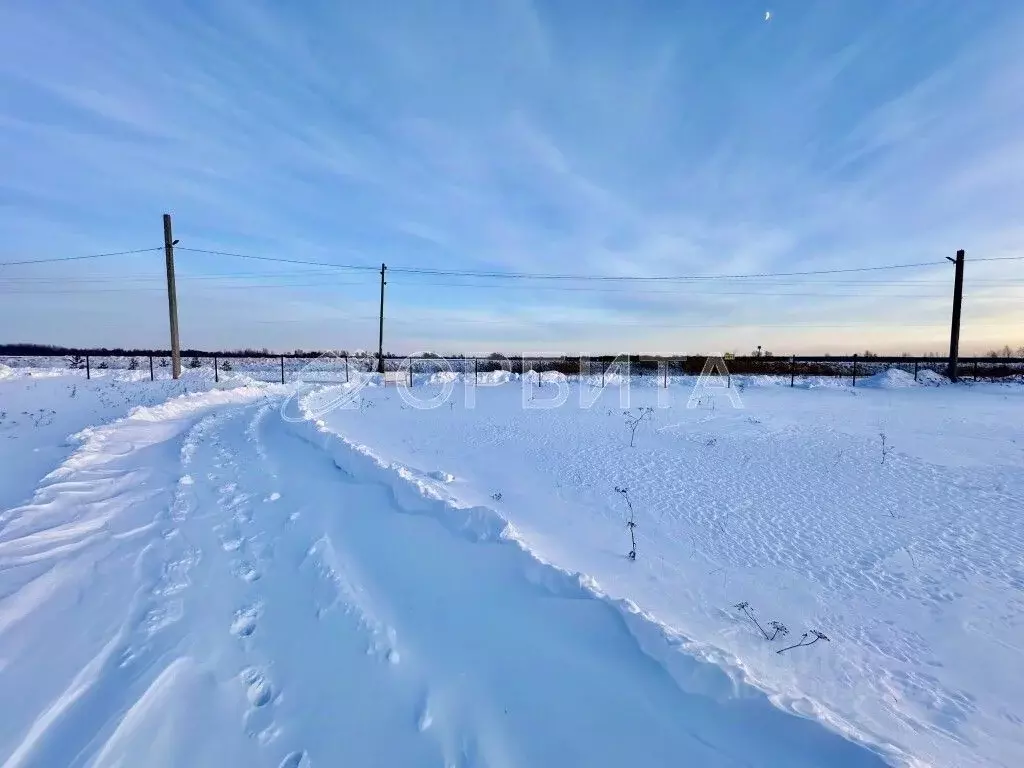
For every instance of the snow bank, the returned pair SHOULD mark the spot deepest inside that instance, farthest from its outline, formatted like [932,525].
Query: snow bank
[203,378]
[444,377]
[5,371]
[175,413]
[494,378]
[481,379]
[694,668]
[890,378]
[619,380]
[786,504]
[931,378]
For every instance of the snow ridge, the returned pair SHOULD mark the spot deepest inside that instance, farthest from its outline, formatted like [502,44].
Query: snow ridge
[693,668]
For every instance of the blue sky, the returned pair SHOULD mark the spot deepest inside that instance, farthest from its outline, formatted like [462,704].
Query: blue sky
[631,138]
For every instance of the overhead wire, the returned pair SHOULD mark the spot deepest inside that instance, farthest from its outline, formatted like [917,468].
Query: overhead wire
[767,280]
[513,275]
[78,258]
[278,259]
[554,276]
[651,278]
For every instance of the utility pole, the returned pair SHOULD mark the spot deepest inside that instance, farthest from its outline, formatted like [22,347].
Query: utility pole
[954,332]
[172,297]
[380,345]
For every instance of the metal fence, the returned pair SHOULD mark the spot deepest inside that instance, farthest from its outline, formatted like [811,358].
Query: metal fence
[340,368]
[269,368]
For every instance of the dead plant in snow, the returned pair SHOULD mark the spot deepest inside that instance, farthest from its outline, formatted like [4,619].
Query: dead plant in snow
[630,522]
[803,640]
[778,628]
[635,420]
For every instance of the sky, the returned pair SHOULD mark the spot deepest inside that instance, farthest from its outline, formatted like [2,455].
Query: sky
[623,139]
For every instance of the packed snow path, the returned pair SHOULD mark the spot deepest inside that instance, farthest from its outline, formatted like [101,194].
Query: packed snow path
[204,584]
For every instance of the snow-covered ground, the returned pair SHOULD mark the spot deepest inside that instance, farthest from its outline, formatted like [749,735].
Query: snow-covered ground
[238,577]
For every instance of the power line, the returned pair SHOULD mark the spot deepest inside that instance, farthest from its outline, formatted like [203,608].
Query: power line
[78,258]
[767,282]
[549,276]
[124,285]
[277,259]
[512,275]
[665,278]
[55,285]
[123,278]
[18,291]
[667,292]
[520,323]
[148,289]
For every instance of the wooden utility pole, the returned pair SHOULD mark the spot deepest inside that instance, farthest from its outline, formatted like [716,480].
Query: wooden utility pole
[172,297]
[954,332]
[380,344]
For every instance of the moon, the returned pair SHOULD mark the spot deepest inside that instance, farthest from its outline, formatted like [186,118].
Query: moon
[767,15]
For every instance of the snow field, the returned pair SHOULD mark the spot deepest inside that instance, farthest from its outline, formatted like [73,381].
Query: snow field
[251,591]
[205,582]
[913,567]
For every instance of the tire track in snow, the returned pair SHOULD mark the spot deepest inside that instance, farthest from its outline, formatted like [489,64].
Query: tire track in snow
[225,514]
[285,607]
[156,570]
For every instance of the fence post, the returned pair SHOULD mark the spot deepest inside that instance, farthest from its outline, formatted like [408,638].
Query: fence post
[855,369]
[410,373]
[282,369]
[216,370]
[975,370]
[603,369]
[88,371]
[792,371]
[151,377]
[666,375]
[475,377]
[915,370]
[346,369]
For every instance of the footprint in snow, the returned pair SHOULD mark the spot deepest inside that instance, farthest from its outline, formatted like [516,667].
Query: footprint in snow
[274,496]
[246,572]
[245,621]
[426,719]
[294,760]
[259,691]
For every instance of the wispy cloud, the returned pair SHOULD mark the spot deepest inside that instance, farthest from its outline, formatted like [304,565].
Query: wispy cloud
[645,139]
